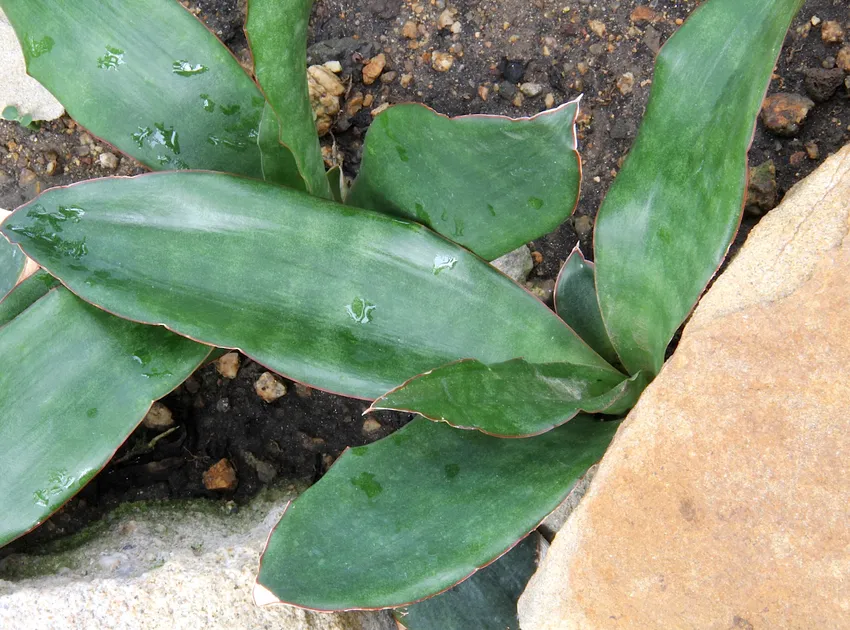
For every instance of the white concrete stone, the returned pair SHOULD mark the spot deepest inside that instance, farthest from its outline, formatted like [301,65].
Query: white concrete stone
[174,567]
[16,86]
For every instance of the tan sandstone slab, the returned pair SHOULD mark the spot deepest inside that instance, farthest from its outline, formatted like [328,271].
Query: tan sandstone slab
[724,501]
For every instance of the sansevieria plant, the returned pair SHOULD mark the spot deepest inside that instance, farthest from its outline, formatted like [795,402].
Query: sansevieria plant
[133,295]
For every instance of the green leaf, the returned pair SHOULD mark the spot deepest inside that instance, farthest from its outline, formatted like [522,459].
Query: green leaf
[277,162]
[82,381]
[674,208]
[12,263]
[340,298]
[510,399]
[623,397]
[277,32]
[487,182]
[419,511]
[576,304]
[485,601]
[336,180]
[147,77]
[25,294]
[10,112]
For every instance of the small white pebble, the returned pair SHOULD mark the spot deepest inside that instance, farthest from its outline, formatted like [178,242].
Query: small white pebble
[334,66]
[158,418]
[228,365]
[269,388]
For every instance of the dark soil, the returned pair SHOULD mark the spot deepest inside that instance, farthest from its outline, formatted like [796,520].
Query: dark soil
[536,41]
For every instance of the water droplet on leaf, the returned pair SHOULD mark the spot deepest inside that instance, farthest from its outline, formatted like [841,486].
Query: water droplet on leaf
[186,69]
[39,47]
[58,483]
[366,482]
[113,58]
[442,262]
[360,310]
[209,104]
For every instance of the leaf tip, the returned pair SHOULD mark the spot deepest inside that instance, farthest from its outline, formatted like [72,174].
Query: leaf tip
[263,596]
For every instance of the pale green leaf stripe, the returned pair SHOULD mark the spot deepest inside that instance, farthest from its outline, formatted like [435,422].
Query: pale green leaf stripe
[487,182]
[343,299]
[277,31]
[419,511]
[673,210]
[82,381]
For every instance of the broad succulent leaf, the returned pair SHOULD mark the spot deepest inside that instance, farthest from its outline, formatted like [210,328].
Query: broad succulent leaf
[12,263]
[25,294]
[336,181]
[510,399]
[485,601]
[576,303]
[277,163]
[341,298]
[674,208]
[147,77]
[82,381]
[419,511]
[487,182]
[277,32]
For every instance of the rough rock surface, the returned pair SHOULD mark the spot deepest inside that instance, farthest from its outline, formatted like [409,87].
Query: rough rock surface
[724,500]
[185,566]
[516,264]
[16,87]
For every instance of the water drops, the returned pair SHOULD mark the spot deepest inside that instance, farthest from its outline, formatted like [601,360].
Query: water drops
[236,145]
[146,359]
[159,135]
[157,373]
[459,227]
[58,483]
[229,110]
[452,471]
[535,202]
[46,227]
[58,217]
[402,153]
[360,310]
[443,262]
[491,209]
[209,104]
[186,69]
[142,356]
[113,58]
[169,137]
[366,482]
[39,47]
